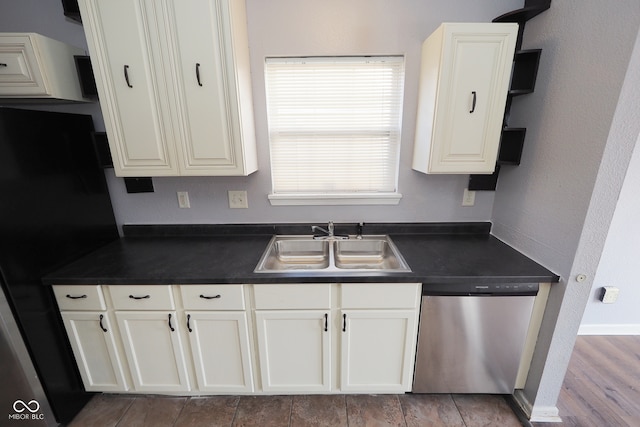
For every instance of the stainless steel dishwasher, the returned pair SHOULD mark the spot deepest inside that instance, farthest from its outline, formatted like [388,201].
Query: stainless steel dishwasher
[471,337]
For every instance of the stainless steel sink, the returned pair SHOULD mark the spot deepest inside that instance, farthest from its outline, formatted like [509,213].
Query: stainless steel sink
[295,253]
[371,253]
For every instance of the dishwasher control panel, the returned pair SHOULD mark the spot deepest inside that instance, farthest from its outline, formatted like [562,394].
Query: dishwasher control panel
[461,289]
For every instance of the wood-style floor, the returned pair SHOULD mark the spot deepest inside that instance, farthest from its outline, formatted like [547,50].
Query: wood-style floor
[601,389]
[602,385]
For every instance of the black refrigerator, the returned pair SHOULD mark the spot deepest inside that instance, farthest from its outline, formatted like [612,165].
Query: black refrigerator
[54,208]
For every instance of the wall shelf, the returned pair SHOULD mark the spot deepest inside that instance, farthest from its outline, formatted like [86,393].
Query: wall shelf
[71,10]
[525,71]
[511,145]
[523,80]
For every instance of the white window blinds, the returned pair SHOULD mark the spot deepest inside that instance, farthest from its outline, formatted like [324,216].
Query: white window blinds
[334,124]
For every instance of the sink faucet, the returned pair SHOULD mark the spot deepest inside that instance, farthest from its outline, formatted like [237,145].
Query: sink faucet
[328,232]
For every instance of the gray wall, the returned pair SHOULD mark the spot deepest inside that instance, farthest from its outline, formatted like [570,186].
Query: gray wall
[542,208]
[618,262]
[297,27]
[556,207]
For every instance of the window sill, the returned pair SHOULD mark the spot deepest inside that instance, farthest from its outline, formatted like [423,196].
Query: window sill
[334,199]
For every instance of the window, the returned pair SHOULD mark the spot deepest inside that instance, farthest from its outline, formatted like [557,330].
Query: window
[334,129]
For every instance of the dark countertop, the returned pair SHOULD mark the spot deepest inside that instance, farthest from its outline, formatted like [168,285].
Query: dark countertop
[436,253]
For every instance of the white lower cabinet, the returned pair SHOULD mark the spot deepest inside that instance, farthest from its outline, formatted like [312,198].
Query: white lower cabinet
[220,350]
[294,348]
[379,336]
[377,327]
[204,339]
[154,350]
[91,336]
[377,350]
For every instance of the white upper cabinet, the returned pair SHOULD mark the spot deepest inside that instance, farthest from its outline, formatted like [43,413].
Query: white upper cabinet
[215,98]
[464,81]
[33,66]
[174,85]
[129,85]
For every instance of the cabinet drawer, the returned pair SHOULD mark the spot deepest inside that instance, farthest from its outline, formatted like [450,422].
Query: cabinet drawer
[81,297]
[142,297]
[212,297]
[20,72]
[380,295]
[294,296]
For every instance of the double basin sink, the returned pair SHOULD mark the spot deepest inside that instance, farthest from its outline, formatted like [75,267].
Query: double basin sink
[300,253]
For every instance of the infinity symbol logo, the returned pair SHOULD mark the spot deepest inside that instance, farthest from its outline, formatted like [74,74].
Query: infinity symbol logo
[26,406]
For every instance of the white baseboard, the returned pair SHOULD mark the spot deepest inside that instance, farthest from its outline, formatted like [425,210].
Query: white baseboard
[544,414]
[610,329]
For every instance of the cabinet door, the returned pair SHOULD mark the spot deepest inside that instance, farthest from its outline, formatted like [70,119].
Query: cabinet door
[205,99]
[220,348]
[20,72]
[294,350]
[92,339]
[154,351]
[125,45]
[378,349]
[464,82]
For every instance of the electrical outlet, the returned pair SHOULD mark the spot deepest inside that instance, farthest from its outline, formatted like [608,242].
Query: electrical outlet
[238,200]
[183,199]
[468,198]
[609,294]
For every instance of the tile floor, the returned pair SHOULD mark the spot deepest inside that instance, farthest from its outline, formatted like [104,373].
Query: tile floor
[410,410]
